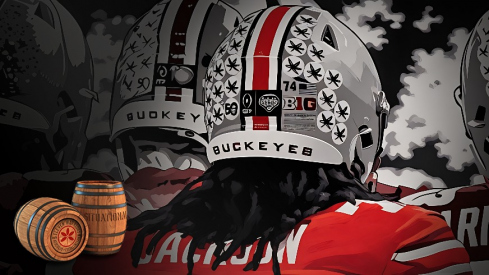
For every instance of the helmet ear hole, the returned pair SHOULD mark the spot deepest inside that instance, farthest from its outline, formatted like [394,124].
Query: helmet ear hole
[206,60]
[480,115]
[457,94]
[486,145]
[366,136]
[328,37]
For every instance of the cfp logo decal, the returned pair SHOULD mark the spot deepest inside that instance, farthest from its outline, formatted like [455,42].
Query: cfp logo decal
[260,103]
[247,101]
[269,102]
[299,103]
[174,75]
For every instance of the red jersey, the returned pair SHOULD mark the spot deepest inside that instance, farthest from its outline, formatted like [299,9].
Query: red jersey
[466,210]
[367,238]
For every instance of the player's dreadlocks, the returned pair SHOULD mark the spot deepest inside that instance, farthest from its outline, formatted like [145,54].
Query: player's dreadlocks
[246,199]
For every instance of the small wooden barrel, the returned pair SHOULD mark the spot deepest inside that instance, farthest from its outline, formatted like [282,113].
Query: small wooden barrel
[103,205]
[51,229]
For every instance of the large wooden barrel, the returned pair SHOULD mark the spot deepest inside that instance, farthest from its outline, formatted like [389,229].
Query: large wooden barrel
[51,229]
[103,205]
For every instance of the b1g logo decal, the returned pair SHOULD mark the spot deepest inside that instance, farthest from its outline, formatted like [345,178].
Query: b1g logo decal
[299,103]
[269,102]
[290,103]
[310,104]
[66,236]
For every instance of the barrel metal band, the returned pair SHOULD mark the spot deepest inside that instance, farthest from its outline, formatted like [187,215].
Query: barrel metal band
[38,227]
[103,246]
[30,222]
[113,206]
[44,228]
[16,221]
[98,186]
[106,235]
[98,193]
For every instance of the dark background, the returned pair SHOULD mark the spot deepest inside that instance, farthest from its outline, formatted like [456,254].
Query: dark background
[394,59]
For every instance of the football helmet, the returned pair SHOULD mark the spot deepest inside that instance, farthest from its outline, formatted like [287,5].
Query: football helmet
[472,95]
[164,56]
[46,77]
[293,82]
[157,108]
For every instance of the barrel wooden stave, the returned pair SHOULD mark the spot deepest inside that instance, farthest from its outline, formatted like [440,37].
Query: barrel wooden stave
[40,224]
[103,205]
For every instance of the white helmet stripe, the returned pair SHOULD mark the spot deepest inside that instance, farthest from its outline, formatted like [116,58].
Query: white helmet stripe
[177,49]
[262,68]
[278,42]
[194,29]
[168,19]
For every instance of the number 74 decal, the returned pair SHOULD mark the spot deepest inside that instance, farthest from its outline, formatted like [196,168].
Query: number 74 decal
[289,85]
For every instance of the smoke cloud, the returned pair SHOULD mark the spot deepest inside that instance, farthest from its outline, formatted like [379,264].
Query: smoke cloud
[424,24]
[427,110]
[358,16]
[408,177]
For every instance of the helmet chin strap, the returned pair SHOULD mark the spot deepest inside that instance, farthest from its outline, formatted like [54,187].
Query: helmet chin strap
[371,181]
[383,109]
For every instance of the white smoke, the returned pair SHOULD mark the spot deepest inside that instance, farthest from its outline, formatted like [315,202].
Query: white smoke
[476,179]
[105,40]
[357,17]
[427,109]
[408,177]
[424,24]
[104,161]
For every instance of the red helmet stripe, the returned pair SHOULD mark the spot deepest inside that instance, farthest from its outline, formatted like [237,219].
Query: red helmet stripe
[177,42]
[261,63]
[180,26]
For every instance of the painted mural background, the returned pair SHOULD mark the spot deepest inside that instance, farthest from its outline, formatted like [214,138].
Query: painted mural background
[417,47]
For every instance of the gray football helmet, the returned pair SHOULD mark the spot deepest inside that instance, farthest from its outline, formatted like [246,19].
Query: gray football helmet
[472,95]
[293,82]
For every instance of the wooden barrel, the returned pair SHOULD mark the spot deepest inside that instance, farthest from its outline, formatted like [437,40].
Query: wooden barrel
[103,205]
[51,229]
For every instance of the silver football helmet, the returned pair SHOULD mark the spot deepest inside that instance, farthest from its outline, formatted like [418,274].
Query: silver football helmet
[295,83]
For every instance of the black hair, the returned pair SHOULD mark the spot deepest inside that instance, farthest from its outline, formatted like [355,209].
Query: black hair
[245,199]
